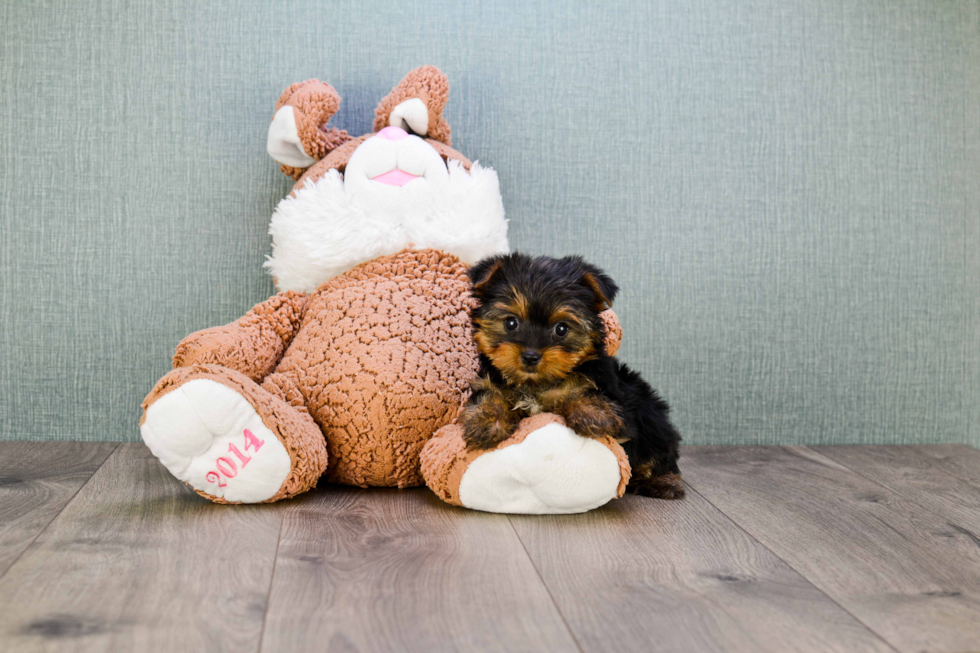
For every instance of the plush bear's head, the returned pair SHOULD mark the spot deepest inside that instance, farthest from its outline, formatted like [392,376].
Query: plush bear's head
[401,186]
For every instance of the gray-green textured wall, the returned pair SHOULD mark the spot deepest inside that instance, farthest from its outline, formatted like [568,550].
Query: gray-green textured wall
[788,191]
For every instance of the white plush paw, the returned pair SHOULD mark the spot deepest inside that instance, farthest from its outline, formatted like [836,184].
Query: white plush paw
[210,436]
[553,471]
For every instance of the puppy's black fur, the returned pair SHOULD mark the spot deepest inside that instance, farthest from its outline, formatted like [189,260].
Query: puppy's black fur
[542,349]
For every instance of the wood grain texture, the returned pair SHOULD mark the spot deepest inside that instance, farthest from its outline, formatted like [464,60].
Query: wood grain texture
[398,570]
[775,549]
[641,574]
[957,459]
[927,480]
[37,480]
[138,562]
[906,573]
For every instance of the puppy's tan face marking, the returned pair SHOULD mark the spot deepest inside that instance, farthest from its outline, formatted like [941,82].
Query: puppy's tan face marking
[489,333]
[492,341]
[491,329]
[512,325]
[516,305]
[570,317]
[558,362]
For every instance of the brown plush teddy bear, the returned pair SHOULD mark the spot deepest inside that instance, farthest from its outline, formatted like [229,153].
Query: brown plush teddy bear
[367,351]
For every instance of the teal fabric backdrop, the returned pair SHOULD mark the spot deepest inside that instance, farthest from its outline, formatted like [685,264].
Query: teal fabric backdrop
[787,190]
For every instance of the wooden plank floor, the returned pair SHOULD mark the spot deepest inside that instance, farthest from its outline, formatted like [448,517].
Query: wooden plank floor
[774,549]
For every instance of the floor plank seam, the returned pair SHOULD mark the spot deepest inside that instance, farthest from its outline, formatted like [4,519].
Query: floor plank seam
[272,579]
[795,570]
[571,633]
[58,514]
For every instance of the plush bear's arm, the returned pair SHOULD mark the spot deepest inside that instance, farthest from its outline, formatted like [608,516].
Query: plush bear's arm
[253,344]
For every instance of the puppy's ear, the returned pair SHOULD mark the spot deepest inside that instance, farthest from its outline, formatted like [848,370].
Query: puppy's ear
[482,274]
[603,288]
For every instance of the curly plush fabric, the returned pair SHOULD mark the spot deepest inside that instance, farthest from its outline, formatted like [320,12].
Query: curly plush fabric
[313,103]
[430,85]
[614,331]
[253,344]
[360,373]
[383,359]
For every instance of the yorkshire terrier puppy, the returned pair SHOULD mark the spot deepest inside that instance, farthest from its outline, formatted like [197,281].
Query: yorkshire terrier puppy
[542,349]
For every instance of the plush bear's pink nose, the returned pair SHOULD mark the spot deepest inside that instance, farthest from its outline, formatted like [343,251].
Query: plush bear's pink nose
[393,133]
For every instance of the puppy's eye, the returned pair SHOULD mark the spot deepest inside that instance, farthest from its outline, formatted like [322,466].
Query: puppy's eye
[561,329]
[511,324]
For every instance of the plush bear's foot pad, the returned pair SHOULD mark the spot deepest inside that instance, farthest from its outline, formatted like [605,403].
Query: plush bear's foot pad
[209,436]
[544,468]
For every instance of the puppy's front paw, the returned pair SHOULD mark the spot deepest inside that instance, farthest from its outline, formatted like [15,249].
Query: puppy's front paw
[593,417]
[488,423]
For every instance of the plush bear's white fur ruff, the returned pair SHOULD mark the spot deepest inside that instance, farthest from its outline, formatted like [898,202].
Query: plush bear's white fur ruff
[327,229]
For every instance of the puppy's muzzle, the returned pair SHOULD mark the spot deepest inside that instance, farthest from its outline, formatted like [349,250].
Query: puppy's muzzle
[531,357]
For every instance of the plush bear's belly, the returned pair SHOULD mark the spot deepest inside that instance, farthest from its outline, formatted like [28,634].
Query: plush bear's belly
[383,359]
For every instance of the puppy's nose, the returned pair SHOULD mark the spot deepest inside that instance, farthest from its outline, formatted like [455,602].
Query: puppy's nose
[531,357]
[393,133]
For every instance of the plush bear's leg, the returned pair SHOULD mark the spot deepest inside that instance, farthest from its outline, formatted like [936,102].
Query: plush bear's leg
[544,468]
[230,439]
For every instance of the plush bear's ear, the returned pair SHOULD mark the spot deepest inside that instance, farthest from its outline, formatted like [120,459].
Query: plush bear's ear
[298,135]
[416,105]
[603,288]
[481,275]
